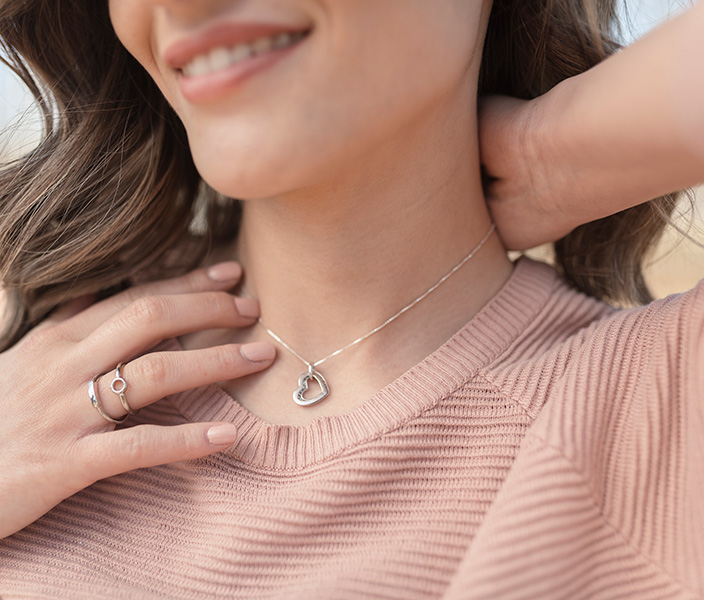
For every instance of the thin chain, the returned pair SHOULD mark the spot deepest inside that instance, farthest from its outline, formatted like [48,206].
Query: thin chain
[408,307]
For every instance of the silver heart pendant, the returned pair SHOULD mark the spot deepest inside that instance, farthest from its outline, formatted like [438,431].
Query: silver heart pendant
[303,388]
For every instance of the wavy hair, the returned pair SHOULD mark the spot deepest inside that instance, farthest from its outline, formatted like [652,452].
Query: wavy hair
[111,190]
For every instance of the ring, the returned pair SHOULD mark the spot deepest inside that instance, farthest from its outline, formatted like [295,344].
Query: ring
[120,391]
[95,401]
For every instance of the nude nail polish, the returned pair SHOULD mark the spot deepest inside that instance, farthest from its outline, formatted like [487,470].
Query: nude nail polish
[222,435]
[226,271]
[258,351]
[247,307]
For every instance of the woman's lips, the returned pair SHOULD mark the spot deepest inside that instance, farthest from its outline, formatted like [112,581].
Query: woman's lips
[178,54]
[212,86]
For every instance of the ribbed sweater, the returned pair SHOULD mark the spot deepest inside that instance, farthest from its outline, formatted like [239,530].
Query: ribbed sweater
[552,448]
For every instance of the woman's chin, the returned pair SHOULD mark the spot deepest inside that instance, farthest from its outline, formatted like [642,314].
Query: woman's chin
[244,177]
[245,187]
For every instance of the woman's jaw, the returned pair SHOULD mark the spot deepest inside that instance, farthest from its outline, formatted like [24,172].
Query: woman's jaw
[284,119]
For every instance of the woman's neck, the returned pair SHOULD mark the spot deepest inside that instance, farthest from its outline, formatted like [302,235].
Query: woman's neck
[331,262]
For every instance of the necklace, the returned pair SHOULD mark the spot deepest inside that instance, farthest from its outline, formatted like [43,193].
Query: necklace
[313,374]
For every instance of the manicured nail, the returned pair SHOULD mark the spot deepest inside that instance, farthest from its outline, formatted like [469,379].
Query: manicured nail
[222,435]
[226,271]
[258,351]
[247,307]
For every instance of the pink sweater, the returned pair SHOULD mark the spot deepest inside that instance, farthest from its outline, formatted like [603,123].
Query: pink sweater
[553,448]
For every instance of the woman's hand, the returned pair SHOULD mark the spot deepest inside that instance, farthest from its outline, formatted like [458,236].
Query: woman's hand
[626,131]
[53,441]
[523,193]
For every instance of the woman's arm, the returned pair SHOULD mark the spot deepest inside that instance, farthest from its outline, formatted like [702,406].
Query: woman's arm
[626,131]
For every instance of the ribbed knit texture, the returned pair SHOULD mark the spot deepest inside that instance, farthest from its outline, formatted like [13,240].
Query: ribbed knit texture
[551,449]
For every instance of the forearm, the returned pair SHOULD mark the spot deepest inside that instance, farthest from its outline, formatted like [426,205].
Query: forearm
[629,129]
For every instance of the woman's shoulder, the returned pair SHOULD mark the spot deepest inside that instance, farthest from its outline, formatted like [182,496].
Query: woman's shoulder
[612,370]
[567,322]
[619,416]
[605,361]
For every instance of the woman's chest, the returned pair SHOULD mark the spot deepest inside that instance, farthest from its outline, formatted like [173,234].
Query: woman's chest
[396,517]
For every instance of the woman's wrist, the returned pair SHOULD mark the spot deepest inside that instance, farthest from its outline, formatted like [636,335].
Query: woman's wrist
[521,149]
[556,152]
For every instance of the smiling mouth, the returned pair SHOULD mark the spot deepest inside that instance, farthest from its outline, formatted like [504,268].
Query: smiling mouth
[221,58]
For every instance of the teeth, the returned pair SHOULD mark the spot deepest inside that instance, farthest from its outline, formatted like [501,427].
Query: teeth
[262,45]
[241,52]
[199,66]
[281,40]
[220,58]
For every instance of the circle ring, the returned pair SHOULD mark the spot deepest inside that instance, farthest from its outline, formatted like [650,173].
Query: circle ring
[119,380]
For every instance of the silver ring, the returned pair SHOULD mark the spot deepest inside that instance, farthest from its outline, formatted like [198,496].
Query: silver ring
[119,380]
[95,401]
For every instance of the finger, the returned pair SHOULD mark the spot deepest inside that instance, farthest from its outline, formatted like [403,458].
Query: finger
[122,450]
[68,310]
[158,374]
[148,321]
[222,276]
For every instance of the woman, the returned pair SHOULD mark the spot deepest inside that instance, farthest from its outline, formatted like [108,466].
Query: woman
[462,427]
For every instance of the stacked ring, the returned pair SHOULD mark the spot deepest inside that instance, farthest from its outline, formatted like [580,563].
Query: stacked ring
[120,391]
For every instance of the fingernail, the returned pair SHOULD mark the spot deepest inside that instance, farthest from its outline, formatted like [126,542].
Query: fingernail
[258,351]
[247,307]
[222,435]
[226,271]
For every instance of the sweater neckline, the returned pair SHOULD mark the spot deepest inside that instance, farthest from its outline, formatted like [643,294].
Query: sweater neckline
[290,447]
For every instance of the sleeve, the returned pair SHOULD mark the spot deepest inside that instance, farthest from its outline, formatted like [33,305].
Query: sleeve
[660,456]
[606,497]
[690,344]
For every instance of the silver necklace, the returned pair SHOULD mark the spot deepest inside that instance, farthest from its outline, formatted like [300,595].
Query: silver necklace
[313,374]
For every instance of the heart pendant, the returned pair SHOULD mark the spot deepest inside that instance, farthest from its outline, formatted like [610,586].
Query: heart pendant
[303,388]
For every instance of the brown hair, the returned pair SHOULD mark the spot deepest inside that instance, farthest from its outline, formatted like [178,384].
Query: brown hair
[112,191]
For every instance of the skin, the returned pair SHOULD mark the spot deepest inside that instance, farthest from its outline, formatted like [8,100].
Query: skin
[335,156]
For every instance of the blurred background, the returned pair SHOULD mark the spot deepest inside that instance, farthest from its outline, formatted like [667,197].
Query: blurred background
[676,265]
